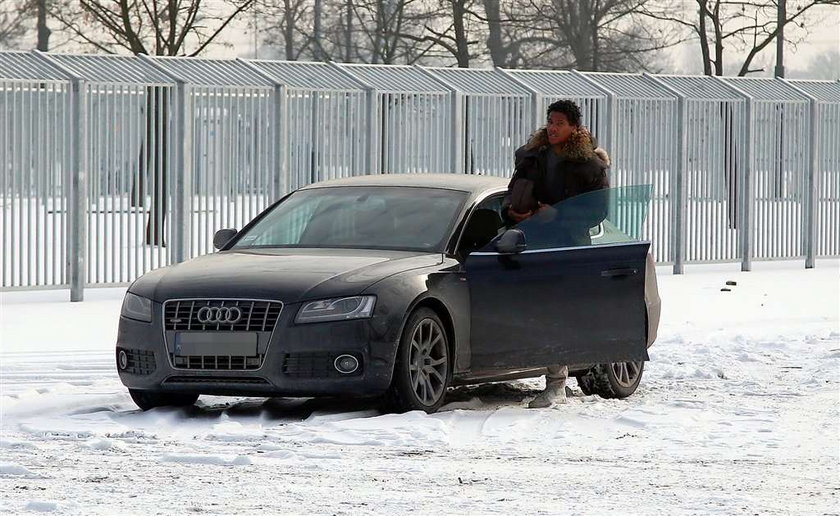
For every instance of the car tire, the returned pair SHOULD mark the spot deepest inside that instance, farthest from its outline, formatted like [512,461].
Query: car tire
[422,369]
[617,380]
[147,400]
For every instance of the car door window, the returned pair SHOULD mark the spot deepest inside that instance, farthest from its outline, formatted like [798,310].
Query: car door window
[602,217]
[484,224]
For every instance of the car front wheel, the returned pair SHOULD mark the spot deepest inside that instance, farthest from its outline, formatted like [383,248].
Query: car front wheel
[150,399]
[421,371]
[616,380]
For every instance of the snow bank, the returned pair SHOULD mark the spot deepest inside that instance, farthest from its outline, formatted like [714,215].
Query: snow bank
[214,460]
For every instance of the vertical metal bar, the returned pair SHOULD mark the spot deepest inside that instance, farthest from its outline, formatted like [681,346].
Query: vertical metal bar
[181,174]
[680,199]
[281,143]
[40,201]
[94,230]
[457,137]
[78,172]
[26,164]
[372,121]
[812,186]
[26,191]
[810,213]
[111,93]
[14,229]
[66,160]
[119,205]
[5,194]
[131,124]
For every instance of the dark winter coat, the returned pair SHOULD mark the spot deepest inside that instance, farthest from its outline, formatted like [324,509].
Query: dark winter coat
[578,170]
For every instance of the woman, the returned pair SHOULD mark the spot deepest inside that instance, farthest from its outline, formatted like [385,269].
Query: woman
[560,161]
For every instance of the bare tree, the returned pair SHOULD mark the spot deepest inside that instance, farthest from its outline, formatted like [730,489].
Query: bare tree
[602,35]
[153,27]
[14,16]
[516,38]
[739,28]
[287,20]
[377,31]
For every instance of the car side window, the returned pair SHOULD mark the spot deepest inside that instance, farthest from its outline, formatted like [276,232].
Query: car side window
[484,224]
[601,217]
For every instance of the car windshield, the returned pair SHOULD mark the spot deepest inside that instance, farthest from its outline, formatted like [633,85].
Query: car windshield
[400,218]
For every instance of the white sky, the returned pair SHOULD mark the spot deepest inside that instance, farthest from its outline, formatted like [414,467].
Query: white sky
[823,40]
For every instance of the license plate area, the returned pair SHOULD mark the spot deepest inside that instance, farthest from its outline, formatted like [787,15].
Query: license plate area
[243,344]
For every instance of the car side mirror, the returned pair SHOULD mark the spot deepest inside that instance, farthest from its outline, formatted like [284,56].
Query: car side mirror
[511,241]
[222,237]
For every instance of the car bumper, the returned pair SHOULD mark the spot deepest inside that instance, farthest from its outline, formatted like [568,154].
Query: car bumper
[298,361]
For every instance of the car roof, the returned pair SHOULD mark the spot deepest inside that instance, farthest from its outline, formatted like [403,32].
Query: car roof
[473,184]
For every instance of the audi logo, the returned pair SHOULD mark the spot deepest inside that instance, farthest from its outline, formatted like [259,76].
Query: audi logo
[219,315]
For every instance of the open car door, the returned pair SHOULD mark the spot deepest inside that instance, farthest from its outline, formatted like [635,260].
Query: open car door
[573,295]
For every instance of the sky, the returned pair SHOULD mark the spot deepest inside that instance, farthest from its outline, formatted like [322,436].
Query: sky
[817,55]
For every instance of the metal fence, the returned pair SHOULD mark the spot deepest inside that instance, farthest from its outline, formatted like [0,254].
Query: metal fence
[116,165]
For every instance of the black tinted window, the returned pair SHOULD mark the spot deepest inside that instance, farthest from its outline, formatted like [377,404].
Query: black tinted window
[359,217]
[601,217]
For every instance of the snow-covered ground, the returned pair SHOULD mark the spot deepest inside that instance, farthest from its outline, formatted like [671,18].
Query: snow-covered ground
[738,412]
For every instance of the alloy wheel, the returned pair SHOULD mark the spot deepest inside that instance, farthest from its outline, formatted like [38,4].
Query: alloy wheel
[428,362]
[626,373]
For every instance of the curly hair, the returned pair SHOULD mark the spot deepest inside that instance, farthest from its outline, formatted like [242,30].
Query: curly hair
[568,108]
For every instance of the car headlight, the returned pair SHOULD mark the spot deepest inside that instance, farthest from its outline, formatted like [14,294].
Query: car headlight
[137,308]
[338,309]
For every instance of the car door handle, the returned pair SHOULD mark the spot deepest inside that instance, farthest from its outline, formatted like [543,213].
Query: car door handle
[618,273]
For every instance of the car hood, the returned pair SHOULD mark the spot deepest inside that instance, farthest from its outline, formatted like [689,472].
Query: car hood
[288,275]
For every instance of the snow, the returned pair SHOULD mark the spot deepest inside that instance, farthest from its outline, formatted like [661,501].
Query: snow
[738,412]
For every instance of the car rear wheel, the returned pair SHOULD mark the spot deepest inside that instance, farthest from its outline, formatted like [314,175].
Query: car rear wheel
[421,371]
[616,380]
[150,399]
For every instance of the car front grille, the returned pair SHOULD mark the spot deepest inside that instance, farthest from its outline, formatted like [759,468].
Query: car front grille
[140,362]
[216,379]
[314,365]
[183,315]
[216,362]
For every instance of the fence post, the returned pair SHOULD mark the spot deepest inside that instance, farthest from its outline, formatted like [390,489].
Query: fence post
[281,143]
[77,180]
[459,137]
[78,202]
[809,220]
[183,171]
[679,193]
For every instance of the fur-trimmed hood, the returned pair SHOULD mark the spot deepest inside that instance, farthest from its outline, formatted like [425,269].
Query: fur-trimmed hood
[581,146]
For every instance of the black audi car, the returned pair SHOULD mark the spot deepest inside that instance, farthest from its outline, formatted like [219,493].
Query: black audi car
[398,286]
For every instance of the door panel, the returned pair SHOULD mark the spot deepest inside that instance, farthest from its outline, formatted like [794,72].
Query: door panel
[564,306]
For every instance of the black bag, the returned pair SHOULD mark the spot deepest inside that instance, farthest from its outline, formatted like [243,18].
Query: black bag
[522,196]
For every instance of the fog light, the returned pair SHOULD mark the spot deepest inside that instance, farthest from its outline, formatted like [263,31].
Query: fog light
[122,359]
[346,364]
